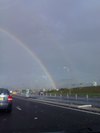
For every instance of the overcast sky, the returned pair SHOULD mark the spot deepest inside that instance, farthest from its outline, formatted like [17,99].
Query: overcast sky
[63,34]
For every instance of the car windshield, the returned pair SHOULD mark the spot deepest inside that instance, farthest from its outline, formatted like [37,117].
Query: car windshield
[49,66]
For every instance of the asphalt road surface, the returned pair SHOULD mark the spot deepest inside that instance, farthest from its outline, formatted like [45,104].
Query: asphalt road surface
[33,117]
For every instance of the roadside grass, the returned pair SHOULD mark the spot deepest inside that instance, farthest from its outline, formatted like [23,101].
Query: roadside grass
[79,91]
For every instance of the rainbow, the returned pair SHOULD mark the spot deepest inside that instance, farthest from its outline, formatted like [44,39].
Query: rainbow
[34,56]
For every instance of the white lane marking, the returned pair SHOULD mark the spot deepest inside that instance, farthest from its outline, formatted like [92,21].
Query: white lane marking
[79,110]
[75,109]
[35,118]
[84,111]
[84,106]
[18,108]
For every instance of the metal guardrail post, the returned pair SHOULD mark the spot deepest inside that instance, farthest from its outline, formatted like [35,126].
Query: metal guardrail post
[60,97]
[87,97]
[67,96]
[76,96]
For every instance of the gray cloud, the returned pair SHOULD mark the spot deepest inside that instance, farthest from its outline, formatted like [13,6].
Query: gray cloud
[61,33]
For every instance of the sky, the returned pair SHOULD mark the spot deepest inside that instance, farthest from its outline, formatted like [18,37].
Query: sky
[49,43]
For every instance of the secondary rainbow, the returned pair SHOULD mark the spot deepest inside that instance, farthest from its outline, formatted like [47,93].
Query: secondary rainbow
[23,45]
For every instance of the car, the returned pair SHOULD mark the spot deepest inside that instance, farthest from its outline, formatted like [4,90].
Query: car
[5,100]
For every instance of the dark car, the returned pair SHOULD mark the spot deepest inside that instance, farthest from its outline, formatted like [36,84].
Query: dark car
[5,100]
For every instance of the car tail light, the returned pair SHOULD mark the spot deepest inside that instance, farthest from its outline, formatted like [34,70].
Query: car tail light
[10,98]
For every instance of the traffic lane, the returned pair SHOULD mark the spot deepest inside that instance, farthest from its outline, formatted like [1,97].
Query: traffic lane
[66,118]
[35,117]
[14,122]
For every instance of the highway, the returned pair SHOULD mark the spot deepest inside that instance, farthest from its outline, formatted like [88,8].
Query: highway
[29,116]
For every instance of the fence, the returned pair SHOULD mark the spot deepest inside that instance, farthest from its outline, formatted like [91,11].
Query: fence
[79,100]
[68,99]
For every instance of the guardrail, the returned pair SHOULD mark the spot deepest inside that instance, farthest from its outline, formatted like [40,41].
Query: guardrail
[77,100]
